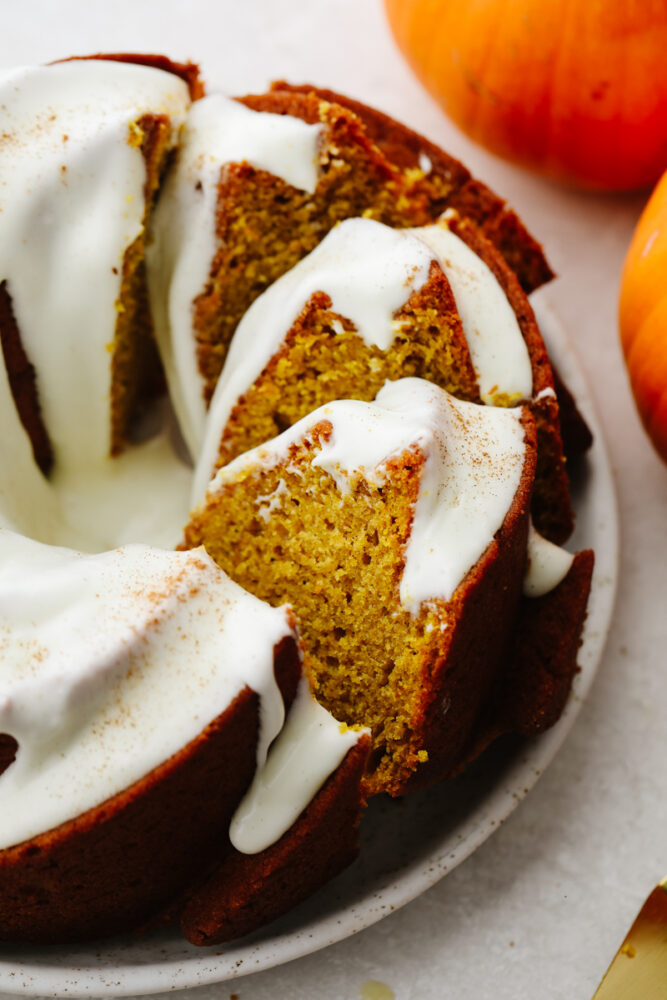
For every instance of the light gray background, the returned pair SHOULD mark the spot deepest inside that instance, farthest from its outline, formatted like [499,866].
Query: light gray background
[540,909]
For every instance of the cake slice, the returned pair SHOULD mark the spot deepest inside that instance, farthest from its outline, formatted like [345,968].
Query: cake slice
[397,531]
[371,304]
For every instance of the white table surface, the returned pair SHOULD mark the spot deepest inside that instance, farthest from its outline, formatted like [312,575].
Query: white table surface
[540,908]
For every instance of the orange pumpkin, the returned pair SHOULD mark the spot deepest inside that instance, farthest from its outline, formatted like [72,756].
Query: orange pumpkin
[576,89]
[643,316]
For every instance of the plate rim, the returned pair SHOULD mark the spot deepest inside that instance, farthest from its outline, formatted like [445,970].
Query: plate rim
[415,877]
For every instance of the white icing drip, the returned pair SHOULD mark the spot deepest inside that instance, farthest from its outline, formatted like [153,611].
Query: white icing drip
[71,202]
[547,393]
[368,271]
[218,131]
[548,565]
[425,163]
[474,457]
[110,663]
[99,651]
[310,748]
[497,348]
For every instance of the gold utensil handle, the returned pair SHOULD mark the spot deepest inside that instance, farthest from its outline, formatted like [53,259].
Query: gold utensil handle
[639,970]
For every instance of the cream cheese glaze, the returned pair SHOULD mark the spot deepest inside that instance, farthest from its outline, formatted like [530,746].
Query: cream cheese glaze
[218,131]
[291,776]
[548,564]
[98,647]
[473,462]
[497,348]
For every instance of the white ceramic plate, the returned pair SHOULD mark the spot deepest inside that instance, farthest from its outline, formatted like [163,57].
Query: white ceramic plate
[407,846]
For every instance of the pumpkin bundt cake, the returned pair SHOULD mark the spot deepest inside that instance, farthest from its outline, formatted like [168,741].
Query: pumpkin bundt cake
[162,756]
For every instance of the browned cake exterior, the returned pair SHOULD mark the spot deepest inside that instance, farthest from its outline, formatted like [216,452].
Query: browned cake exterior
[188,72]
[533,687]
[114,866]
[249,890]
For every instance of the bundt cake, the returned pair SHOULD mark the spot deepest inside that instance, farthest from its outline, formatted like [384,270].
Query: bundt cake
[162,757]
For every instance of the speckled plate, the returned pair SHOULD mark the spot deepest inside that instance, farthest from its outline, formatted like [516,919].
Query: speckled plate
[407,846]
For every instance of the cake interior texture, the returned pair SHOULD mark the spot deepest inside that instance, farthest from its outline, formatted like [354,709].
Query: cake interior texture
[287,532]
[334,559]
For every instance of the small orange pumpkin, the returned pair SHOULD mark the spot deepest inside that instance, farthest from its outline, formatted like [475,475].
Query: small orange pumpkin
[576,89]
[643,316]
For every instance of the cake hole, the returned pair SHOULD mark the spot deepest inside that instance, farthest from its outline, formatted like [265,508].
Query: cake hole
[8,750]
[375,759]
[281,421]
